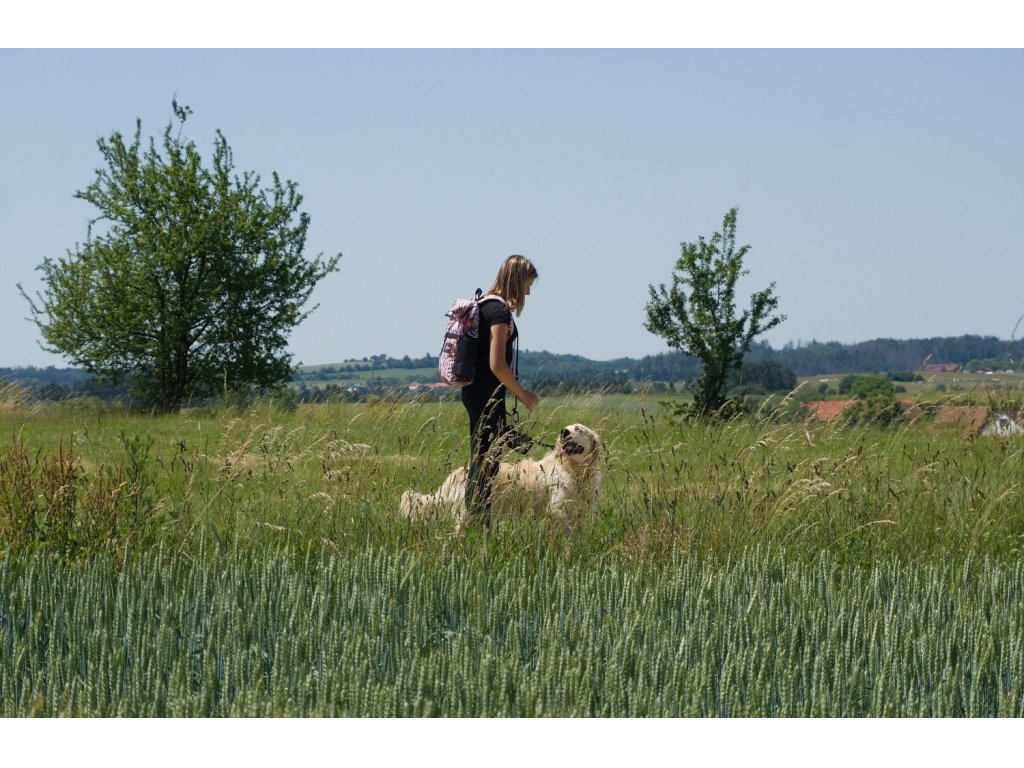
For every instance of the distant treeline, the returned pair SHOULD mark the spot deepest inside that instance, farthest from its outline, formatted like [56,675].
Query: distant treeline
[805,359]
[549,372]
[53,383]
[817,358]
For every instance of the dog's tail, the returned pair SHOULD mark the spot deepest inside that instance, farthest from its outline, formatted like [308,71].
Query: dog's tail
[412,505]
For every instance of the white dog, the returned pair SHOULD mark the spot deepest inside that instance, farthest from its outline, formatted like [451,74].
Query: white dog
[560,486]
[1002,425]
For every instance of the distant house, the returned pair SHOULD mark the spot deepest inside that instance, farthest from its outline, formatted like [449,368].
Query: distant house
[941,368]
[826,410]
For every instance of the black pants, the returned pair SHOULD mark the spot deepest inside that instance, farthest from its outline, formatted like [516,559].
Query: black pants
[487,419]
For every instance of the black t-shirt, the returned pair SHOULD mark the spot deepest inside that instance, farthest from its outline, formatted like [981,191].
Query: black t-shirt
[492,312]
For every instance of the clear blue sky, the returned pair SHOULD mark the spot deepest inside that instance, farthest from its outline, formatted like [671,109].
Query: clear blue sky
[881,190]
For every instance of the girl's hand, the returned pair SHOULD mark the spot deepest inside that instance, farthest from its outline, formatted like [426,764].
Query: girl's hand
[529,399]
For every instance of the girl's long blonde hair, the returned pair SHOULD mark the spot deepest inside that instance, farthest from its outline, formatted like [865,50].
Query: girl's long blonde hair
[513,275]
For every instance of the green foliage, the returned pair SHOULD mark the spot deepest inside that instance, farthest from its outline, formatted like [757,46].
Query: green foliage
[864,387]
[50,501]
[878,410]
[193,283]
[697,315]
[876,400]
[905,376]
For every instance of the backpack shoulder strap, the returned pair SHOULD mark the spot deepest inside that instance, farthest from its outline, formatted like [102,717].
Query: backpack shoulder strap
[511,324]
[511,316]
[496,297]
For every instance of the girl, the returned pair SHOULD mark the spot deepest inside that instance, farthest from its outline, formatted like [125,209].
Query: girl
[485,397]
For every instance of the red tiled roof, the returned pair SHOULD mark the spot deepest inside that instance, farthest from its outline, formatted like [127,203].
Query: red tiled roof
[911,409]
[826,410]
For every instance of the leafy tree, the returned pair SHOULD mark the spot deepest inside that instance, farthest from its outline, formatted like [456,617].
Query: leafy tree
[195,280]
[877,410]
[697,315]
[876,403]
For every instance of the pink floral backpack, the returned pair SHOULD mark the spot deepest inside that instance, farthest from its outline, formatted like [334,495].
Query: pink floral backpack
[456,364]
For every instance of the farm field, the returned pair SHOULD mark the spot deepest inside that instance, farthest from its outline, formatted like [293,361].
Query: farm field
[945,388]
[354,375]
[392,635]
[252,562]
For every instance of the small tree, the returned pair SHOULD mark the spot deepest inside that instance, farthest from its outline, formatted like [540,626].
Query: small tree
[194,284]
[697,315]
[875,410]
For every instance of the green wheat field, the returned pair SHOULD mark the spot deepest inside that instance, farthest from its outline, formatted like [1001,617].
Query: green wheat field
[252,562]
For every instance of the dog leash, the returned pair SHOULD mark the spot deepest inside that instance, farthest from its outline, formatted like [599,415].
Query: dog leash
[516,426]
[515,410]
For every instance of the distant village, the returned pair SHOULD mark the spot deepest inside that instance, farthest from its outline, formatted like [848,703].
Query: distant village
[766,371]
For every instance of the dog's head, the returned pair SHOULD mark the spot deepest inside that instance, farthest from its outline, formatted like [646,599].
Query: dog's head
[578,443]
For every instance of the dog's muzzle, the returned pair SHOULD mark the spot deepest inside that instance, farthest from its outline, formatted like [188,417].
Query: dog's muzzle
[569,445]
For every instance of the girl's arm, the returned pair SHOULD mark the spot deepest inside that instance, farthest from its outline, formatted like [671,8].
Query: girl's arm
[499,338]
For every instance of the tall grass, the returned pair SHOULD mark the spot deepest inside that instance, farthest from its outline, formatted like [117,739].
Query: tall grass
[253,563]
[332,475]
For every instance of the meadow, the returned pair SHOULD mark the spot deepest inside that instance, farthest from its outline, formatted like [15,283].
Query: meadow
[997,389]
[227,562]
